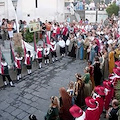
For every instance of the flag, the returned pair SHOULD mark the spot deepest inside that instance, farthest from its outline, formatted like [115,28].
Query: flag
[0,56]
[47,40]
[43,44]
[12,54]
[35,47]
[25,51]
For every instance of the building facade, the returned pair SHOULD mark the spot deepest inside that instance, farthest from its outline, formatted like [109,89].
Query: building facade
[33,9]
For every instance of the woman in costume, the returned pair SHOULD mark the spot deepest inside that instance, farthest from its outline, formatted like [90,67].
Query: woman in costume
[18,64]
[86,79]
[97,71]
[80,49]
[65,105]
[39,55]
[46,53]
[53,111]
[79,91]
[53,50]
[28,62]
[111,61]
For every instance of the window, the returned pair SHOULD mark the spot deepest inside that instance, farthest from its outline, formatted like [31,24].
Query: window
[36,3]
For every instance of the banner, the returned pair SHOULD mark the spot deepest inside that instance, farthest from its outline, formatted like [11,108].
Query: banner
[34,27]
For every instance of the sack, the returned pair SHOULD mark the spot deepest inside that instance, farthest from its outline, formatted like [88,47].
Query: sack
[68,42]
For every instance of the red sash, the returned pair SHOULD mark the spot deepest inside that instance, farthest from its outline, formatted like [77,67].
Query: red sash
[18,64]
[28,60]
[39,54]
[52,47]
[65,30]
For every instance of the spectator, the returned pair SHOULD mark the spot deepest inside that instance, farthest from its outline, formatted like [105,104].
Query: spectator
[79,91]
[53,111]
[65,105]
[97,71]
[112,113]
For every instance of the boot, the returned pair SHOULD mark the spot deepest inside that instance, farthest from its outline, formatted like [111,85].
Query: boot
[40,65]
[5,83]
[28,71]
[56,59]
[18,77]
[11,84]
[53,60]
[45,62]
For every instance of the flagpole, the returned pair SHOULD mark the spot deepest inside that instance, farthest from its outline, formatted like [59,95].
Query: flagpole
[0,56]
[35,47]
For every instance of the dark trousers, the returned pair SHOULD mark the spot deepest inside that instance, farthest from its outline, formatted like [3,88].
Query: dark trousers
[62,50]
[40,60]
[53,53]
[6,76]
[19,71]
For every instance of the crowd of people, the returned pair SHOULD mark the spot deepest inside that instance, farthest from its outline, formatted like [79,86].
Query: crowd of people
[99,45]
[96,43]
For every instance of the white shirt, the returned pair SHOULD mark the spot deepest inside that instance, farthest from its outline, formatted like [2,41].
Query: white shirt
[53,44]
[62,43]
[46,51]
[39,49]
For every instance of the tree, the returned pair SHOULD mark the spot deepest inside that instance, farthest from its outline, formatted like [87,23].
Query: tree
[112,9]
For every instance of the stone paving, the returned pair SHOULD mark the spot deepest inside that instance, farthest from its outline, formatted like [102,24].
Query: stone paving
[31,95]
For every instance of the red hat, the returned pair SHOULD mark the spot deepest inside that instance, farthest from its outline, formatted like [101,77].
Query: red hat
[117,63]
[117,71]
[90,102]
[76,111]
[100,90]
[107,84]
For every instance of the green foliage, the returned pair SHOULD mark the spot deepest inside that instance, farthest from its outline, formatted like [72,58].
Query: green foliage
[19,50]
[29,37]
[112,9]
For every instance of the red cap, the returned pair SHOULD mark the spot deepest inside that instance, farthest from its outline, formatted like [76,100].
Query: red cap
[90,102]
[100,90]
[76,111]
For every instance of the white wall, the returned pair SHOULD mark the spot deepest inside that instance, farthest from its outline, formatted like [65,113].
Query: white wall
[47,10]
[91,16]
[102,15]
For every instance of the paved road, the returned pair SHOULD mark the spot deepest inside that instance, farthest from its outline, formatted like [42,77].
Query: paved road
[31,95]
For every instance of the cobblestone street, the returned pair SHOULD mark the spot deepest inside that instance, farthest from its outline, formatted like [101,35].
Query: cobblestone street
[31,95]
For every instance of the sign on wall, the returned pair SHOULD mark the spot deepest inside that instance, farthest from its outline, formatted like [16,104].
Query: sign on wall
[33,27]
